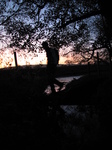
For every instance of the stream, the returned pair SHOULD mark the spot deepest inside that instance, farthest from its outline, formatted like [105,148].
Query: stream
[66,80]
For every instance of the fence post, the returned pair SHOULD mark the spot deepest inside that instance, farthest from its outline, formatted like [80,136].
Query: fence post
[15,58]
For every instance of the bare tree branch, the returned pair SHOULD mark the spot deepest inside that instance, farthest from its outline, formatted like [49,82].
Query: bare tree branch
[84,16]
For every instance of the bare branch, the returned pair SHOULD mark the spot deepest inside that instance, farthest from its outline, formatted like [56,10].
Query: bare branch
[84,16]
[8,18]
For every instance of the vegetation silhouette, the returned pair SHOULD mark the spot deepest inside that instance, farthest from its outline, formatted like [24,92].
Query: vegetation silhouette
[69,25]
[28,118]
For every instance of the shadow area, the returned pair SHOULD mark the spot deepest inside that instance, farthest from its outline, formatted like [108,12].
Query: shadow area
[31,119]
[86,90]
[26,85]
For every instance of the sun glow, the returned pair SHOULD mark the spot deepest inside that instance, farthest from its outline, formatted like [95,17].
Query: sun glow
[23,58]
[7,58]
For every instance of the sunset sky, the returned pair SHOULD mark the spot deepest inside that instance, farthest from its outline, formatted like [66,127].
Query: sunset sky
[33,58]
[30,58]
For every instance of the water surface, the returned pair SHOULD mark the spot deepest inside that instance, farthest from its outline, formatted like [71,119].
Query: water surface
[66,80]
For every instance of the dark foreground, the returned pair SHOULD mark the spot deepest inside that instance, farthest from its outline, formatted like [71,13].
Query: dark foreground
[30,119]
[86,90]
[29,84]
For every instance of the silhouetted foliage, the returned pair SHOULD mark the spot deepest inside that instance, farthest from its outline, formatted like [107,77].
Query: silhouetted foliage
[64,22]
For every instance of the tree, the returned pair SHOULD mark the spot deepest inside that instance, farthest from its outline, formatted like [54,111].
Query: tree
[61,22]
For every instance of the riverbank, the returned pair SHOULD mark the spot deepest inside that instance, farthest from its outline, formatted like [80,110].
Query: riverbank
[29,118]
[29,83]
[87,90]
[62,70]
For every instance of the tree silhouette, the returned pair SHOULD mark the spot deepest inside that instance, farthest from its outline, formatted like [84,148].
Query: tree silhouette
[61,22]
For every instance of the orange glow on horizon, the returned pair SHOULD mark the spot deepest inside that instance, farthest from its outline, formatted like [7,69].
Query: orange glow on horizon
[25,58]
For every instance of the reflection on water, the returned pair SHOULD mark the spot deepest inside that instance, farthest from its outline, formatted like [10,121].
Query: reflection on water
[66,80]
[69,109]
